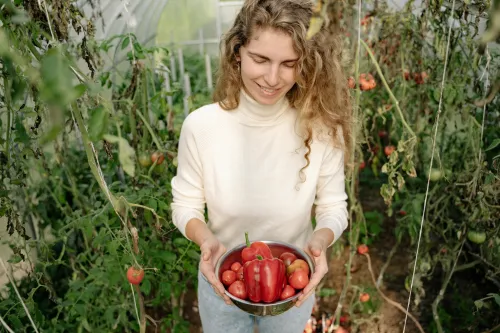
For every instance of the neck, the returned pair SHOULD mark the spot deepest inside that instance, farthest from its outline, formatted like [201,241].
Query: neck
[255,113]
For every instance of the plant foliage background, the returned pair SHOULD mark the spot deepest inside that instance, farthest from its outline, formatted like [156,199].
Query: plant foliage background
[83,201]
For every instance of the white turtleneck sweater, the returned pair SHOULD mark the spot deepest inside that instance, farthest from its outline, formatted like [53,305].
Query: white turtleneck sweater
[244,165]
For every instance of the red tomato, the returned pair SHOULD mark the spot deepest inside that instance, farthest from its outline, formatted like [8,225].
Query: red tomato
[288,258]
[364,297]
[135,275]
[239,274]
[340,329]
[298,264]
[228,277]
[406,74]
[235,267]
[362,249]
[299,279]
[287,292]
[388,150]
[157,156]
[237,289]
[362,165]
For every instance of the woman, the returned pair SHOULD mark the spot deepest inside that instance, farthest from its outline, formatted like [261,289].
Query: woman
[272,146]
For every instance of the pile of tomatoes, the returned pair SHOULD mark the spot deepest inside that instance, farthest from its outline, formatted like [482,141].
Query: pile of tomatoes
[295,276]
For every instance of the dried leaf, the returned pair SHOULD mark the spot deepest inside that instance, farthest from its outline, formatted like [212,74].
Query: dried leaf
[314,26]
[126,154]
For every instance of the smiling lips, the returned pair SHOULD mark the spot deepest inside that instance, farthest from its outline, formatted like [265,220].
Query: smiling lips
[268,91]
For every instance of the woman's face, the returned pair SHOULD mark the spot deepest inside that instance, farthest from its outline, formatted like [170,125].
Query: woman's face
[268,65]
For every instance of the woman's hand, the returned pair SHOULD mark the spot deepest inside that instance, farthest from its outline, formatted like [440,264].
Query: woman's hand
[211,251]
[316,248]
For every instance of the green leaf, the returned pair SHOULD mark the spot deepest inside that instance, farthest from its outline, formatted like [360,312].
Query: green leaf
[449,94]
[163,206]
[126,154]
[86,325]
[496,297]
[169,257]
[327,292]
[16,323]
[493,145]
[125,42]
[79,90]
[113,246]
[51,135]
[146,287]
[109,314]
[98,123]
[57,79]
[152,204]
[193,254]
[436,94]
[181,242]
[21,134]
[15,259]
[375,229]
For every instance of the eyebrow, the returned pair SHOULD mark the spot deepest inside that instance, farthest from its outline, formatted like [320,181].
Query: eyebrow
[264,57]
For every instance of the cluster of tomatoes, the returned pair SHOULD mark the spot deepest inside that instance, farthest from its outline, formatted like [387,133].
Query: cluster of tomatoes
[296,277]
[366,82]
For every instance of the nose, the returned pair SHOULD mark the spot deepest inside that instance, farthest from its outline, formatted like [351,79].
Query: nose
[272,77]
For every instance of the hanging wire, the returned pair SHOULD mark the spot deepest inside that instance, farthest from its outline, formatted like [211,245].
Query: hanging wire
[436,126]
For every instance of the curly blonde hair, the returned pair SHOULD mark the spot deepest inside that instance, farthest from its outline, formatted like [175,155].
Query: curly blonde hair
[320,94]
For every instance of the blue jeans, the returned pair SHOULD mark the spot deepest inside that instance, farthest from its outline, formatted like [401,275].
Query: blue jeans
[217,316]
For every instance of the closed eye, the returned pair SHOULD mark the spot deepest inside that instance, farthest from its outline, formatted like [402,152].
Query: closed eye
[259,60]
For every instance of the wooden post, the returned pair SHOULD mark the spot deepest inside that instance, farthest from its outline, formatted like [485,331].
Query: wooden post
[208,68]
[187,94]
[168,89]
[181,64]
[173,69]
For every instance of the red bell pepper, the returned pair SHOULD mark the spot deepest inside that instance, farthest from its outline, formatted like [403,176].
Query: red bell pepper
[255,249]
[264,279]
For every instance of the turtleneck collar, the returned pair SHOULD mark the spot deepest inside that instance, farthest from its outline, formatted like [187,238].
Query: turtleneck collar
[251,112]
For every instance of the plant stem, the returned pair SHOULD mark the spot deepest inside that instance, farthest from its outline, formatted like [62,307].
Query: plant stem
[6,86]
[90,156]
[391,94]
[493,329]
[4,324]
[390,301]
[352,188]
[439,297]
[382,270]
[142,321]
[13,283]
[153,136]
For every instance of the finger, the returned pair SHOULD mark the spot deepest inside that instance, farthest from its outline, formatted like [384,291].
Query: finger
[303,297]
[315,280]
[219,288]
[315,249]
[206,253]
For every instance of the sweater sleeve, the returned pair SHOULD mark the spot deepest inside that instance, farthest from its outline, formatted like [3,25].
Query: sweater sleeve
[187,185]
[331,197]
